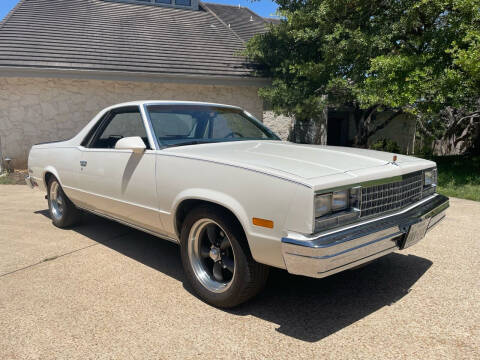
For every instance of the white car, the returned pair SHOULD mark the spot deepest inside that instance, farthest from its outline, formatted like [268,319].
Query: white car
[234,196]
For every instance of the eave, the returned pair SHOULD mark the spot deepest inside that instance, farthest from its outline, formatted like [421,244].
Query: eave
[32,72]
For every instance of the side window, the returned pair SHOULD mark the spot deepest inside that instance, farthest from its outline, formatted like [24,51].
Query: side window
[122,123]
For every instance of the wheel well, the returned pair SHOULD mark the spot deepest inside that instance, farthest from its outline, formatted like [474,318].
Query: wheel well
[187,205]
[48,176]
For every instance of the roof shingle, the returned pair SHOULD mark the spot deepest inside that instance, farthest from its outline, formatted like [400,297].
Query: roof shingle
[124,37]
[242,20]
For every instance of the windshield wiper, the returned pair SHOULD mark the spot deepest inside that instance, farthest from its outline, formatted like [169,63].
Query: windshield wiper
[193,142]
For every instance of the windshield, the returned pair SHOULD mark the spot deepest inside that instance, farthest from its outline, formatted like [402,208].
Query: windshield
[176,125]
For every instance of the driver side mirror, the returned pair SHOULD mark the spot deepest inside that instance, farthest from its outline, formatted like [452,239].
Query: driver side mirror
[134,143]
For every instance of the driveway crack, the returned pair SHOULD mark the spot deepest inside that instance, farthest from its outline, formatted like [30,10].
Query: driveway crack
[50,258]
[47,259]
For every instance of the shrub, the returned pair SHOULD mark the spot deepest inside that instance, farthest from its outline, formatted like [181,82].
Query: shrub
[386,145]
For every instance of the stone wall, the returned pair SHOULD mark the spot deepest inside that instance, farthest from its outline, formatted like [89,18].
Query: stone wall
[279,124]
[34,110]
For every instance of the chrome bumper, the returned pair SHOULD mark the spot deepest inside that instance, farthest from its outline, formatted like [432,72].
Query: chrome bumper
[331,252]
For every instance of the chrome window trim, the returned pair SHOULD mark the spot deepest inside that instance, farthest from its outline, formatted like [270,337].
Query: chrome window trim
[94,128]
[250,117]
[148,126]
[106,115]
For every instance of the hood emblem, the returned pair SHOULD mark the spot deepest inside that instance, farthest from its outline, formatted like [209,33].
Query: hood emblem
[394,160]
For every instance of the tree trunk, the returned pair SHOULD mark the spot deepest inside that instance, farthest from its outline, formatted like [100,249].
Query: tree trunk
[462,135]
[366,126]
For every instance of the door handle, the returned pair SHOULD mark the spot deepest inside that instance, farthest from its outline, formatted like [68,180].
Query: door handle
[83,163]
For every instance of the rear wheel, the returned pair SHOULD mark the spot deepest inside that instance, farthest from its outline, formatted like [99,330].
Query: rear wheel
[62,211]
[217,260]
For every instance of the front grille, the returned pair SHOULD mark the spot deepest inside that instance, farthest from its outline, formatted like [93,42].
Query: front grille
[383,198]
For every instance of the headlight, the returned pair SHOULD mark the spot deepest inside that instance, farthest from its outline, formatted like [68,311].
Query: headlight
[331,202]
[340,200]
[430,177]
[336,208]
[323,204]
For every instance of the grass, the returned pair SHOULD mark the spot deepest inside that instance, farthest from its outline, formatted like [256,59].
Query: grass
[459,176]
[6,180]
[15,178]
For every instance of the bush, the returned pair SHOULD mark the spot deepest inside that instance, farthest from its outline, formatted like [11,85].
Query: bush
[386,145]
[458,176]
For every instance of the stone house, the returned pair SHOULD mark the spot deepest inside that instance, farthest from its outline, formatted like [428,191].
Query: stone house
[63,61]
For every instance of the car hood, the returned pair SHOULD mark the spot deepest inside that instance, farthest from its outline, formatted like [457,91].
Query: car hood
[298,160]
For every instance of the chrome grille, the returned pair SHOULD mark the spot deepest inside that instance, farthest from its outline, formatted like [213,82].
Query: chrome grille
[383,198]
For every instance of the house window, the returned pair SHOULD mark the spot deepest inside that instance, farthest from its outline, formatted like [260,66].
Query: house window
[183,2]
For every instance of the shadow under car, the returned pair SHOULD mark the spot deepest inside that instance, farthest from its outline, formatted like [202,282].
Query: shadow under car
[304,308]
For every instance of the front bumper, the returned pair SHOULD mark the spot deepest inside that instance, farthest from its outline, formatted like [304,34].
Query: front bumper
[331,252]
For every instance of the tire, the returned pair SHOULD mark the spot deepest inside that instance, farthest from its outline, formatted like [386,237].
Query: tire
[62,211]
[222,288]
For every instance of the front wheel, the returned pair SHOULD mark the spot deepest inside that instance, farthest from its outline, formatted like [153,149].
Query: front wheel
[216,258]
[62,211]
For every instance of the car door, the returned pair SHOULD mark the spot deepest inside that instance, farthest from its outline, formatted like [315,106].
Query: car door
[120,183]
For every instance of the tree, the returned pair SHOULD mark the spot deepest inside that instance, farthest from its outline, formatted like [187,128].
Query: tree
[409,56]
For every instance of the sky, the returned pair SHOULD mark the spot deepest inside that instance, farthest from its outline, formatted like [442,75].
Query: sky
[262,7]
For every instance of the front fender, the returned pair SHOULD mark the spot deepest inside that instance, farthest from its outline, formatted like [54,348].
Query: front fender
[213,196]
[265,246]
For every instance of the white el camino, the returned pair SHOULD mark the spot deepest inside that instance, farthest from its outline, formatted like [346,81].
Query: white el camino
[235,197]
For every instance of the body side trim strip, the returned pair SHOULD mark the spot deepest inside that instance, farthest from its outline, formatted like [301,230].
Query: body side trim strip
[96,212]
[117,200]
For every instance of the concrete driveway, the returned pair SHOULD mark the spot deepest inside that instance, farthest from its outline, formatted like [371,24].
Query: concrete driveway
[102,290]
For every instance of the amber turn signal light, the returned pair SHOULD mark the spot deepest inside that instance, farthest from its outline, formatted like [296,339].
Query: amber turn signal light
[263,222]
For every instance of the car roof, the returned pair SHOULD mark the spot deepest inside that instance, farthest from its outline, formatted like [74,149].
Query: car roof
[169,102]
